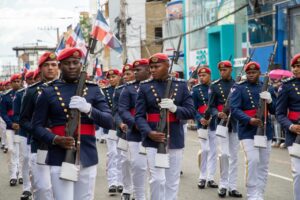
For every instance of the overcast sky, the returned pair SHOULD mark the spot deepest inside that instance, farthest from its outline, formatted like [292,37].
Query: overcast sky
[21,22]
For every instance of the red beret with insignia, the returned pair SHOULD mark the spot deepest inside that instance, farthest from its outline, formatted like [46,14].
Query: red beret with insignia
[5,83]
[70,52]
[29,74]
[204,70]
[36,73]
[158,58]
[127,67]
[113,72]
[15,76]
[47,56]
[252,66]
[141,62]
[295,60]
[224,64]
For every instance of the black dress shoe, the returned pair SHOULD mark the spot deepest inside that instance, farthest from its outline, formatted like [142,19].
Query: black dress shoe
[112,189]
[222,192]
[212,184]
[125,196]
[235,193]
[21,181]
[120,188]
[201,184]
[13,182]
[26,195]
[5,150]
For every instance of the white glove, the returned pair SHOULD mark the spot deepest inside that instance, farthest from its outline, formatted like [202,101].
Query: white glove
[80,103]
[266,96]
[168,104]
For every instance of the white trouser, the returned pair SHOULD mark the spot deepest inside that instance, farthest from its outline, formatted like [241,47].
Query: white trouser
[100,134]
[13,153]
[256,169]
[208,156]
[126,172]
[228,161]
[3,132]
[164,182]
[113,168]
[296,176]
[83,189]
[24,159]
[138,170]
[40,181]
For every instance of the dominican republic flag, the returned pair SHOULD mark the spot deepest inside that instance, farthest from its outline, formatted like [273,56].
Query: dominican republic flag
[76,39]
[98,68]
[60,46]
[102,33]
[25,69]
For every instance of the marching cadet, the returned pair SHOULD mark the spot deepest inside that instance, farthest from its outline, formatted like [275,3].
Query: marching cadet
[243,104]
[127,103]
[41,181]
[56,100]
[23,146]
[288,115]
[122,128]
[208,147]
[15,172]
[2,123]
[219,91]
[114,171]
[6,87]
[163,182]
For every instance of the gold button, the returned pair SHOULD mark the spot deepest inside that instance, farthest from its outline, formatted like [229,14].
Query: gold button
[173,99]
[157,99]
[67,116]
[62,104]
[250,97]
[176,85]
[60,98]
[152,86]
[298,92]
[223,95]
[252,102]
[55,88]
[253,106]
[58,93]
[65,110]
[296,88]
[155,94]
[294,84]
[175,94]
[176,89]
[221,91]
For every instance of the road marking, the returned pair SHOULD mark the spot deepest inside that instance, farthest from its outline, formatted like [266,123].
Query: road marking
[281,177]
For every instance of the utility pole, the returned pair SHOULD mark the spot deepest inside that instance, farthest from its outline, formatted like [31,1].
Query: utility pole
[123,24]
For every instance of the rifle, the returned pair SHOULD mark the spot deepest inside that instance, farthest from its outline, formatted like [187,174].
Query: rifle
[222,127]
[162,159]
[262,111]
[69,169]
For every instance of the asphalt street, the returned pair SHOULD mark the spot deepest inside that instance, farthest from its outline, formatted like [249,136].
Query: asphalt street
[279,184]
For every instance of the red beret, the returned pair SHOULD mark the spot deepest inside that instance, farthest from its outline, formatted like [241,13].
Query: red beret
[70,52]
[204,70]
[6,83]
[252,66]
[296,60]
[29,74]
[224,64]
[36,73]
[127,67]
[1,83]
[142,62]
[47,56]
[15,76]
[113,72]
[158,58]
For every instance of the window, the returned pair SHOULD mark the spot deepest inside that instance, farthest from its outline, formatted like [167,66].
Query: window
[261,29]
[158,34]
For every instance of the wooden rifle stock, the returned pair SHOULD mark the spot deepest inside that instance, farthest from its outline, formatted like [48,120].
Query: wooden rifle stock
[261,111]
[74,119]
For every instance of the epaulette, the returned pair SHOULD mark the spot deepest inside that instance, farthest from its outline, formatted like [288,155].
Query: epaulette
[22,89]
[91,82]
[216,81]
[33,85]
[7,91]
[131,82]
[288,79]
[120,86]
[146,81]
[241,82]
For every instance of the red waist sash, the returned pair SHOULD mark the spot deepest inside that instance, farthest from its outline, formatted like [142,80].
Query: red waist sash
[202,109]
[294,115]
[155,117]
[10,113]
[132,111]
[250,113]
[85,129]
[220,107]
